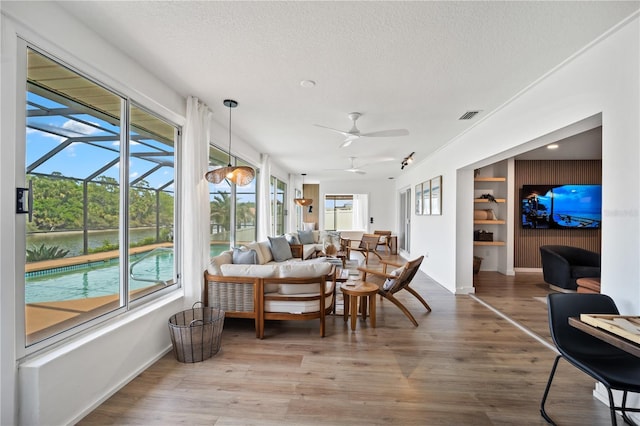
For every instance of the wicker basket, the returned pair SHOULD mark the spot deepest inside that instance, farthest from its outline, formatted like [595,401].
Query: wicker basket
[196,333]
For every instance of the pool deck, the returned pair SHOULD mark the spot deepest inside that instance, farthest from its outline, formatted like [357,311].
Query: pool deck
[44,319]
[88,258]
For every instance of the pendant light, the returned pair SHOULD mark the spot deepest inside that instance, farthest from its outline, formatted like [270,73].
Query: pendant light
[240,175]
[303,201]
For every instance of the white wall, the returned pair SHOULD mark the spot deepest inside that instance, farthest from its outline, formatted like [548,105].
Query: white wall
[603,78]
[60,385]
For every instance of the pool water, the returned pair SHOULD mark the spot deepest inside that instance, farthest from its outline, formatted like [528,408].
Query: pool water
[103,278]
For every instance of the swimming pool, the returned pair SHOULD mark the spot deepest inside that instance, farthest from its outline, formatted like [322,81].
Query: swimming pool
[102,278]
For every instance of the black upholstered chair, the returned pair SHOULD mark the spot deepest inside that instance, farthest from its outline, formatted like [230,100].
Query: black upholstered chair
[611,366]
[563,265]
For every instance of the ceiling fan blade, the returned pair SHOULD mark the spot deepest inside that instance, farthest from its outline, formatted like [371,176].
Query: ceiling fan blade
[346,143]
[334,130]
[381,133]
[358,171]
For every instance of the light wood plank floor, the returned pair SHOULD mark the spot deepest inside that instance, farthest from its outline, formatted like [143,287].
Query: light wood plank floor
[464,365]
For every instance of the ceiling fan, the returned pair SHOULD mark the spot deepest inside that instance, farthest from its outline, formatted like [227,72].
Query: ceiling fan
[358,170]
[354,133]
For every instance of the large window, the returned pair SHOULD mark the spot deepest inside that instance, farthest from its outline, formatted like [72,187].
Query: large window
[232,207]
[338,212]
[101,230]
[346,212]
[278,193]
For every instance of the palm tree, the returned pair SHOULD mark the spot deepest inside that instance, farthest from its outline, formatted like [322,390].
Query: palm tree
[221,210]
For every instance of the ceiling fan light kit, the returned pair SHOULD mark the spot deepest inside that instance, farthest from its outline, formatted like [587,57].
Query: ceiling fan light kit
[355,133]
[239,175]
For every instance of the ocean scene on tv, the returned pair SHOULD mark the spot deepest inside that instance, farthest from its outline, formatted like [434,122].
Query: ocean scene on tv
[561,206]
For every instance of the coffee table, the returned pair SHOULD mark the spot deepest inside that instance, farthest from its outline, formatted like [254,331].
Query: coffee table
[363,290]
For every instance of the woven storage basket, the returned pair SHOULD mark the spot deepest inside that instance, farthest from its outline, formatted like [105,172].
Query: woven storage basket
[196,333]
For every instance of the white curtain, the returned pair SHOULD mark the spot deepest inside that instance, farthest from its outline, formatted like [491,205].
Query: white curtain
[360,212]
[195,199]
[264,198]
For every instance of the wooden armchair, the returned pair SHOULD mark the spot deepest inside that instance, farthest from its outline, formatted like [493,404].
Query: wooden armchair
[384,239]
[394,283]
[368,245]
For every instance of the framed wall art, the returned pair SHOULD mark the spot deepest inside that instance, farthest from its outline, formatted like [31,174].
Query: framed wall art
[436,195]
[419,199]
[426,197]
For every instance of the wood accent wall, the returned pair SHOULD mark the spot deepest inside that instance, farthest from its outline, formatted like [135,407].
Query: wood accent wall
[312,191]
[527,242]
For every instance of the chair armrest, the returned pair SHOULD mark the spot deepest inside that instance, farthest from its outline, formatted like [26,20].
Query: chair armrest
[366,271]
[388,262]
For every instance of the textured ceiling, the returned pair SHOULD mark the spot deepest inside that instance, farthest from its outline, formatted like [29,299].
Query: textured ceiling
[403,65]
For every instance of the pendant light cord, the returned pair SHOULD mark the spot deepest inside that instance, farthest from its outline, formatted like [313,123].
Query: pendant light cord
[229,151]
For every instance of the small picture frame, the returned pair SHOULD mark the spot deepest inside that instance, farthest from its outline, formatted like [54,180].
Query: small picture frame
[419,199]
[426,198]
[436,195]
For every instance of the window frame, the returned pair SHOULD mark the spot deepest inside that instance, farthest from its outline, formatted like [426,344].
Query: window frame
[128,304]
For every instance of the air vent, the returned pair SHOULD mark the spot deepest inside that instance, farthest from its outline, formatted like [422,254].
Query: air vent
[468,115]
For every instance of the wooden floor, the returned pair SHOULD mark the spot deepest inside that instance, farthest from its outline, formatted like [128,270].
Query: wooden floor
[464,365]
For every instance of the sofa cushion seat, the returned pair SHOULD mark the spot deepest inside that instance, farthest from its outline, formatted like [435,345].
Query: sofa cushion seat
[292,306]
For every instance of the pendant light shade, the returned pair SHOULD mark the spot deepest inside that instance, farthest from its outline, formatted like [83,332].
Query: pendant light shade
[239,175]
[303,201]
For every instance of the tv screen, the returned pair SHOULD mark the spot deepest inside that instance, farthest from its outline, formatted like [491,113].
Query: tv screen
[561,206]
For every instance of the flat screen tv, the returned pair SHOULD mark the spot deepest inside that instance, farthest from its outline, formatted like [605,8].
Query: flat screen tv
[561,206]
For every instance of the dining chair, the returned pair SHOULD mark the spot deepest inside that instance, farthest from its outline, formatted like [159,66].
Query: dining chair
[613,367]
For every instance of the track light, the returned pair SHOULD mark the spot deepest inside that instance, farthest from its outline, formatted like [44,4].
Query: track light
[406,161]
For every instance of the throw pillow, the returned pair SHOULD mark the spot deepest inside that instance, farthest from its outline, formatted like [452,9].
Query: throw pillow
[306,237]
[389,282]
[244,257]
[280,249]
[292,239]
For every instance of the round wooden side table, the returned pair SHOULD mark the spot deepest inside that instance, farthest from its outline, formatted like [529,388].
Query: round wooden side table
[362,290]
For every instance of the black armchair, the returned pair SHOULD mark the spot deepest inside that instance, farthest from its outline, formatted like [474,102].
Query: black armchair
[611,366]
[563,265]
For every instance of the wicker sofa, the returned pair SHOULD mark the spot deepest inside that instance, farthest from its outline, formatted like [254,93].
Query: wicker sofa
[294,289]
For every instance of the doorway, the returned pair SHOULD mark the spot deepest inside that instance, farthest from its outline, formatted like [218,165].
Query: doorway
[404,218]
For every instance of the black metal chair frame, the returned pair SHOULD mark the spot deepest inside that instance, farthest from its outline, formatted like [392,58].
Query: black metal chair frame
[598,359]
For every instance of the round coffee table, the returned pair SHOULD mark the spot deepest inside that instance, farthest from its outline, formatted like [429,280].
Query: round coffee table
[363,290]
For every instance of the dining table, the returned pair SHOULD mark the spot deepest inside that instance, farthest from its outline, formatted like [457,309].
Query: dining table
[616,340]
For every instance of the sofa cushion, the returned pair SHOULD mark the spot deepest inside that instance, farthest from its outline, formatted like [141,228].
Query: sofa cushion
[306,237]
[296,306]
[280,249]
[246,256]
[255,246]
[244,270]
[292,239]
[306,269]
[223,258]
[302,270]
[265,247]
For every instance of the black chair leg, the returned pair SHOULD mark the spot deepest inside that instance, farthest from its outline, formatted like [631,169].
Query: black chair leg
[612,408]
[624,412]
[546,392]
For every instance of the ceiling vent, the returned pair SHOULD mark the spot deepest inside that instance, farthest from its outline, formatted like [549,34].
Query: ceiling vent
[468,115]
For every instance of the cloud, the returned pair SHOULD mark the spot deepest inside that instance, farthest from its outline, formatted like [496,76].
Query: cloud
[80,128]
